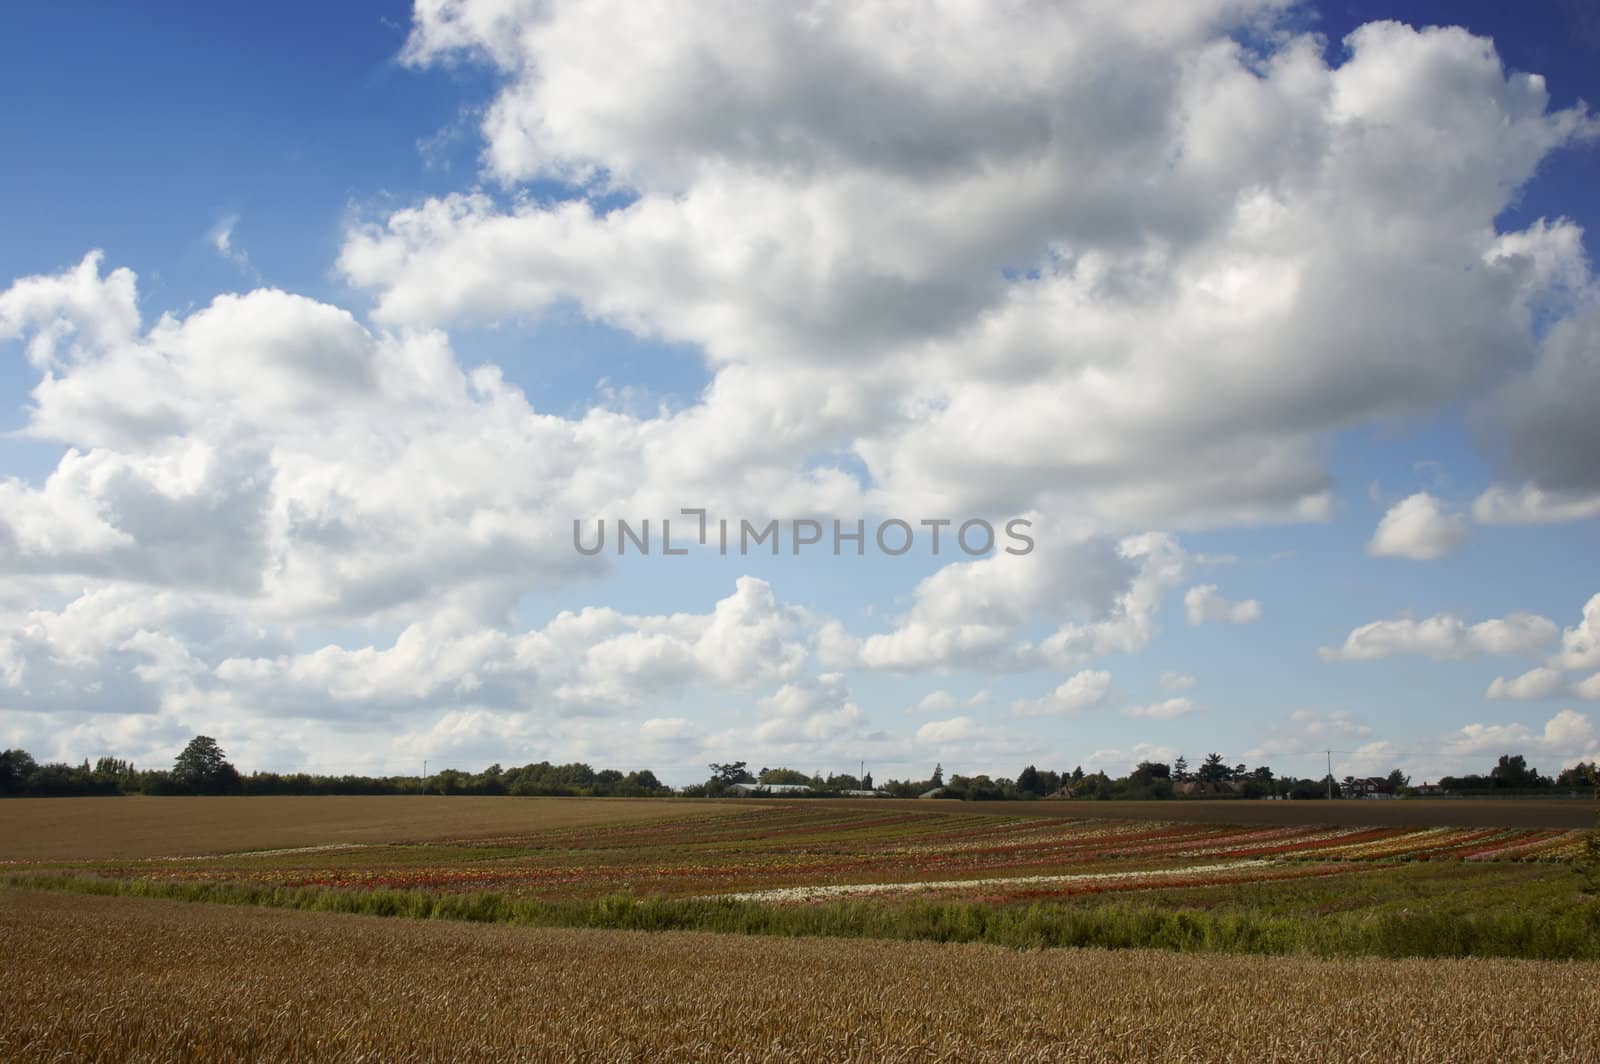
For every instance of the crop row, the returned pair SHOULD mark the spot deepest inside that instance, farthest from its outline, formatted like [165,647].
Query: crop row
[805,847]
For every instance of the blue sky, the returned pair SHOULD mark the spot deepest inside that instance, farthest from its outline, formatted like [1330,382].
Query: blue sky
[304,134]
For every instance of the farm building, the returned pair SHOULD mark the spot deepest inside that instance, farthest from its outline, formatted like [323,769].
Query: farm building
[1370,787]
[769,788]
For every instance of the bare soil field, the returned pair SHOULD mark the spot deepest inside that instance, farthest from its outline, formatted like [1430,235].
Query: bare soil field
[136,979]
[135,827]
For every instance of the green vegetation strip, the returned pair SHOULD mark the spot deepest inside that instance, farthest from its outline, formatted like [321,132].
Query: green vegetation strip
[1570,934]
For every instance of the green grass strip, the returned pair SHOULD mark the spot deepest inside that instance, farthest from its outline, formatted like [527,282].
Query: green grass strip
[1568,934]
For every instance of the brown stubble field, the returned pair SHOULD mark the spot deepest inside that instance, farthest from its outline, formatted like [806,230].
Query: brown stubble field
[1410,812]
[48,829]
[142,980]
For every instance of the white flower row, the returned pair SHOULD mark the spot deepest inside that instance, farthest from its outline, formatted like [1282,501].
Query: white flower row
[847,889]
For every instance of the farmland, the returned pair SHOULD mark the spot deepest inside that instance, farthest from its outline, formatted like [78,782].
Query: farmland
[121,978]
[947,871]
[512,929]
[68,828]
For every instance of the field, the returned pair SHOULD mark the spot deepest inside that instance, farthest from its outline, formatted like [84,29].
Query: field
[129,979]
[90,828]
[1316,923]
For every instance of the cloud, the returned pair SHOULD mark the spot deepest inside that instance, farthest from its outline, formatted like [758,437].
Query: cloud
[1205,606]
[935,702]
[1299,746]
[591,660]
[1419,528]
[999,272]
[1534,684]
[668,729]
[1532,505]
[221,240]
[808,711]
[1545,417]
[972,613]
[1119,762]
[1569,736]
[1125,269]
[1079,692]
[1167,710]
[947,732]
[1177,681]
[1445,637]
[1580,645]
[1305,730]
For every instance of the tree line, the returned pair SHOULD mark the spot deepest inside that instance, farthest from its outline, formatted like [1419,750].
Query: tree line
[203,768]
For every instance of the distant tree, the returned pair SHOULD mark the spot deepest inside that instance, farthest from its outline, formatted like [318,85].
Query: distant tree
[1029,782]
[1512,773]
[203,769]
[17,769]
[1212,770]
[937,779]
[731,773]
[1398,781]
[866,782]
[449,781]
[1307,789]
[1580,776]
[784,776]
[113,767]
[1180,769]
[644,780]
[980,789]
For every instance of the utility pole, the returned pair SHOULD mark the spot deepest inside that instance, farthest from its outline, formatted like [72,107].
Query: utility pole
[1330,775]
[424,769]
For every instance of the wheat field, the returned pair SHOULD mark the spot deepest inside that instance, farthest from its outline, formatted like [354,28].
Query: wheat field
[143,980]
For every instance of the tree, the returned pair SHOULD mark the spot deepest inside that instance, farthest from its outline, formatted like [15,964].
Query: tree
[1512,772]
[644,780]
[17,769]
[1398,781]
[1213,770]
[731,773]
[1180,769]
[203,768]
[937,779]
[784,776]
[1029,781]
[1580,776]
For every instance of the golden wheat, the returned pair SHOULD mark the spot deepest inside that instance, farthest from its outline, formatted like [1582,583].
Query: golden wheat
[131,979]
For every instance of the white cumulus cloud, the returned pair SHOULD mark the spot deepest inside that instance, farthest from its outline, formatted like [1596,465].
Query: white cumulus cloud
[1418,527]
[1205,606]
